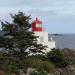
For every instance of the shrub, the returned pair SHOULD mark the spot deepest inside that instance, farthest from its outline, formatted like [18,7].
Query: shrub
[57,57]
[39,64]
[39,73]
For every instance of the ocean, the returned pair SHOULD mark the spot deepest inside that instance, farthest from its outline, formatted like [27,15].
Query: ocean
[64,40]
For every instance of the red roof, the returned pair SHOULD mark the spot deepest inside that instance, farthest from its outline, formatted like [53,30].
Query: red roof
[37,21]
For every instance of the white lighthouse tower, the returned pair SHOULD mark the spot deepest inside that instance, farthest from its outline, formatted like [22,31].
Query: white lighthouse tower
[43,35]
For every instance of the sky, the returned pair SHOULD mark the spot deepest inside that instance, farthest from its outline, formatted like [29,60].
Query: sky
[58,16]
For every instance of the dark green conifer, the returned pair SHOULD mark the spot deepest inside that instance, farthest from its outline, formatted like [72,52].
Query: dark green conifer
[18,36]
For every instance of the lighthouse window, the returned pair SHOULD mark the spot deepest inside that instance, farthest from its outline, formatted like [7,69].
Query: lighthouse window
[37,25]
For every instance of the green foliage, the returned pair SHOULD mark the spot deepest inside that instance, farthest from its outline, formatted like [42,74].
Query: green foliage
[55,52]
[18,37]
[38,64]
[57,57]
[39,73]
[13,64]
[12,68]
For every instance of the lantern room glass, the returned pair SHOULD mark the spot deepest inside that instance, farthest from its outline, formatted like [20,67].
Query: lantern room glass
[39,25]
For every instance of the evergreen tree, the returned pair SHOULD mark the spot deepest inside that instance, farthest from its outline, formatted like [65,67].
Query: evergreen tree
[57,57]
[18,37]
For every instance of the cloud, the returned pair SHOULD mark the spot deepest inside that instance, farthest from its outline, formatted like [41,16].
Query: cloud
[54,13]
[39,8]
[10,3]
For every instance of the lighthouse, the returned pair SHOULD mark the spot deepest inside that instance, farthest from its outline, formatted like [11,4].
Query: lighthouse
[42,35]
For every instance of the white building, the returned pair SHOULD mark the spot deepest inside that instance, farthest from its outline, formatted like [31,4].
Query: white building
[43,35]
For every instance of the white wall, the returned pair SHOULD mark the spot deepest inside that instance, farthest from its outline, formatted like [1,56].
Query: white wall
[43,39]
[43,34]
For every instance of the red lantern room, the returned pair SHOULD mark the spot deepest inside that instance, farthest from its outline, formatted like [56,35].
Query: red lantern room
[37,25]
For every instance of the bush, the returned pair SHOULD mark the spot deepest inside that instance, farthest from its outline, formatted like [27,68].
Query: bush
[38,64]
[12,65]
[57,57]
[39,73]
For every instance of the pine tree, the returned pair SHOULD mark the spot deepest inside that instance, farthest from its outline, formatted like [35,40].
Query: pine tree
[18,36]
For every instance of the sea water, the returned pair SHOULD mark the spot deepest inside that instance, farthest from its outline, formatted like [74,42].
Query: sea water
[64,40]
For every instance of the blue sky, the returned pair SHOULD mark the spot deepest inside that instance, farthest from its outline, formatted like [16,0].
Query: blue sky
[58,16]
